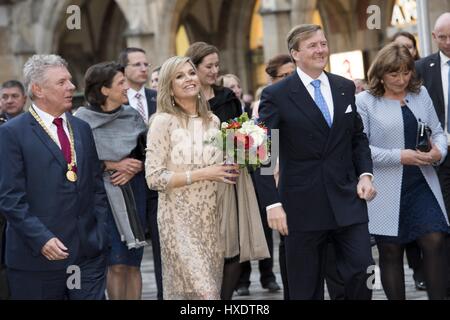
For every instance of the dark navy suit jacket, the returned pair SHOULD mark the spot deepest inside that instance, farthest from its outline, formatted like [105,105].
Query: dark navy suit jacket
[319,165]
[429,70]
[150,95]
[40,203]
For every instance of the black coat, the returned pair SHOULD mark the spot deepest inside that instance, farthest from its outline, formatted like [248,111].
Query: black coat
[225,105]
[429,70]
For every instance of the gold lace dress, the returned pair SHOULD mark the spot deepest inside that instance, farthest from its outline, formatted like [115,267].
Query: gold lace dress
[192,252]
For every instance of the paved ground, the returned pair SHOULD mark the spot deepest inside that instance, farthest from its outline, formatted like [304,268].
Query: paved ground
[257,293]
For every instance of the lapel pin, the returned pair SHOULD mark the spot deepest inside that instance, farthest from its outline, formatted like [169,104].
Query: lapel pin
[343,93]
[432,64]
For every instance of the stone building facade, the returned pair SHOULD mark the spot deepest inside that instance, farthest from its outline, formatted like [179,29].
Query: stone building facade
[107,26]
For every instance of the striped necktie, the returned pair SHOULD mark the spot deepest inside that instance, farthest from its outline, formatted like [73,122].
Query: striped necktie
[140,106]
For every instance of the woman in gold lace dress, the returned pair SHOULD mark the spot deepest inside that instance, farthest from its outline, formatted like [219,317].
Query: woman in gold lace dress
[186,173]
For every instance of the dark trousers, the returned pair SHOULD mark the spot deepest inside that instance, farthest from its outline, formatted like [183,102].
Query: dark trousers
[53,285]
[444,180]
[283,267]
[333,279]
[152,225]
[4,288]
[305,254]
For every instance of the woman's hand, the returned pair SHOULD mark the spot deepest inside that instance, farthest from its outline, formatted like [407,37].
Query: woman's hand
[119,178]
[434,153]
[128,165]
[416,158]
[221,173]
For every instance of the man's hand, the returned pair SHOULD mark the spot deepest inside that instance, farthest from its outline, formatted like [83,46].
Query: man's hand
[365,188]
[276,218]
[54,250]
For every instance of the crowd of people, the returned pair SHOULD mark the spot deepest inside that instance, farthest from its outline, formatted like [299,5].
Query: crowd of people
[91,188]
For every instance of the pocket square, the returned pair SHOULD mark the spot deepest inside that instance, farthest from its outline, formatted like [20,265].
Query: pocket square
[349,109]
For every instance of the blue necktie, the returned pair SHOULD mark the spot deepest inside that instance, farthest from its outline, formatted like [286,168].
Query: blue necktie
[448,100]
[320,101]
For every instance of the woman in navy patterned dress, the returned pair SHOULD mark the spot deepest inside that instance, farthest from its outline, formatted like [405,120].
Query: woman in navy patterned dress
[409,205]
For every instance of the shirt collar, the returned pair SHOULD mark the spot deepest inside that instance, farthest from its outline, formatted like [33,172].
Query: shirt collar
[444,58]
[306,79]
[46,117]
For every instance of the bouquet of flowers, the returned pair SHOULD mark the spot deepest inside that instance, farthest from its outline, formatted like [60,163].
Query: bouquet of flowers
[243,141]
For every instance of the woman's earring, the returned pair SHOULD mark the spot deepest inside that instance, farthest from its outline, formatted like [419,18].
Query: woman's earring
[173,101]
[382,81]
[199,96]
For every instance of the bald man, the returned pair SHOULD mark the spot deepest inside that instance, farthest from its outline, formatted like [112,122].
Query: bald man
[435,73]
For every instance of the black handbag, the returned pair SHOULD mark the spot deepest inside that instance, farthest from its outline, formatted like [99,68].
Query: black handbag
[138,152]
[423,137]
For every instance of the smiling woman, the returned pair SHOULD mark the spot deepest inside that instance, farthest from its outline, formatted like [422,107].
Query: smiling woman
[409,206]
[186,175]
[117,129]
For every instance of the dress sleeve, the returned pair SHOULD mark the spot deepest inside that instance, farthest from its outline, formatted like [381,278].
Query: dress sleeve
[158,153]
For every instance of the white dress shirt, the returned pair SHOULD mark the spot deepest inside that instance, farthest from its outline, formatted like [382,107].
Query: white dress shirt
[133,101]
[444,74]
[47,119]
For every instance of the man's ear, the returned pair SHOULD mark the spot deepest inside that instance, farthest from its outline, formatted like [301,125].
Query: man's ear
[433,34]
[36,90]
[294,54]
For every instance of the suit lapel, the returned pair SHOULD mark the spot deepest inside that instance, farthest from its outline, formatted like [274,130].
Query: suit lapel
[79,154]
[47,141]
[304,102]
[151,101]
[434,66]
[339,105]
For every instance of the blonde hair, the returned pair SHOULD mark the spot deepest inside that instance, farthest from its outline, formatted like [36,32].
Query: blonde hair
[165,101]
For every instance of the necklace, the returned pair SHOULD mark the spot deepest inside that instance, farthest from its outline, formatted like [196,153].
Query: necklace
[70,174]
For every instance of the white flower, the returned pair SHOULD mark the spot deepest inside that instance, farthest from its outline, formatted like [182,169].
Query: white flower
[257,133]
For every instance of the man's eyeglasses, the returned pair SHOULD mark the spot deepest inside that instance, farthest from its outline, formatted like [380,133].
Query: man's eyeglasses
[140,64]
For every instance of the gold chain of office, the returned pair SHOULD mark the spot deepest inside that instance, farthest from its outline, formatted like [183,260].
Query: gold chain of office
[70,174]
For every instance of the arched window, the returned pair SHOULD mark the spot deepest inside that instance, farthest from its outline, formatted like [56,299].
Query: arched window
[181,41]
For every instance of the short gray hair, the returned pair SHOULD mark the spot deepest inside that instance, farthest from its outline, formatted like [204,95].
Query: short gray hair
[35,68]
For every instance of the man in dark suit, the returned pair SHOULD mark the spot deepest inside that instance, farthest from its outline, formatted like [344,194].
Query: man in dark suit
[325,171]
[52,194]
[143,100]
[434,70]
[12,103]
